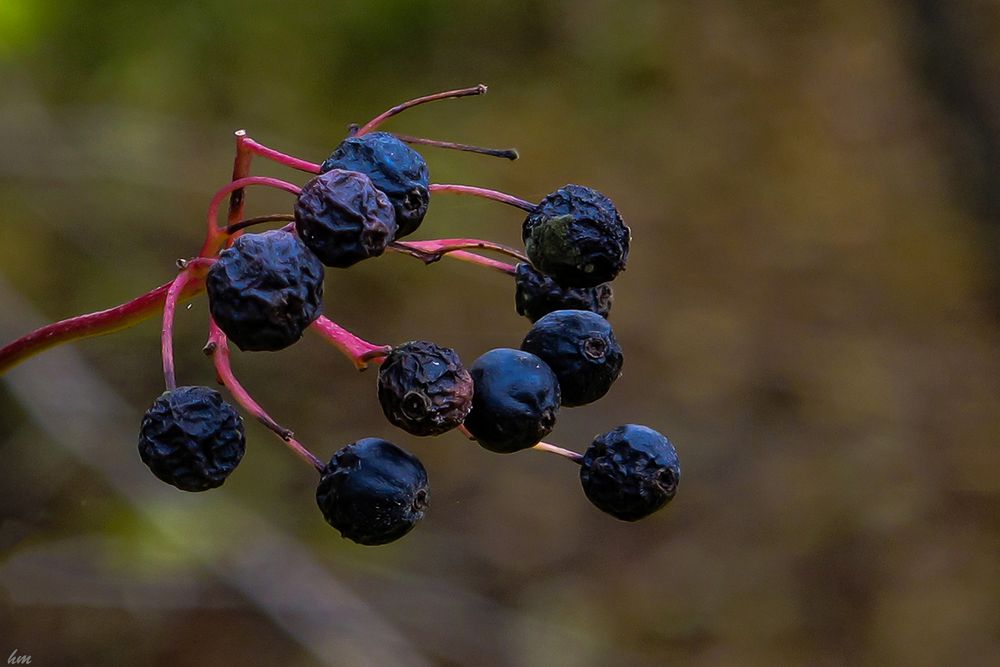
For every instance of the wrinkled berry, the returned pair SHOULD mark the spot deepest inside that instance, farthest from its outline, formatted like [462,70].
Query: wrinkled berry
[342,218]
[538,295]
[191,438]
[580,348]
[372,491]
[514,402]
[424,389]
[394,168]
[577,236]
[630,472]
[265,290]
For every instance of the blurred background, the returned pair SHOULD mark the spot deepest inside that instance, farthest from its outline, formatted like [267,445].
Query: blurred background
[810,313]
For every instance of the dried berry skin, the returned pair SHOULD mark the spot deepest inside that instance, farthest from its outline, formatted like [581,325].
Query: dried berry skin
[373,492]
[424,389]
[394,168]
[191,438]
[630,472]
[577,236]
[538,295]
[580,348]
[514,402]
[343,219]
[265,290]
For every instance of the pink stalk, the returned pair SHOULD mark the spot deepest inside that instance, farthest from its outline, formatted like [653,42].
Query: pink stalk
[485,193]
[461,255]
[358,350]
[399,108]
[565,453]
[218,347]
[192,270]
[432,250]
[93,324]
[250,222]
[276,156]
[217,235]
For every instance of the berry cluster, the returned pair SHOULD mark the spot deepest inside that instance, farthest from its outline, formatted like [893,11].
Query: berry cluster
[266,289]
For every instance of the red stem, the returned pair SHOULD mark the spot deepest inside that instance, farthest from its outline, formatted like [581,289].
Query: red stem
[218,347]
[357,349]
[565,453]
[216,235]
[485,193]
[194,269]
[399,108]
[279,157]
[432,250]
[92,324]
[461,255]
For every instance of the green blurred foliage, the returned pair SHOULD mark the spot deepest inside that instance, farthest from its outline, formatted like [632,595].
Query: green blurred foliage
[810,313]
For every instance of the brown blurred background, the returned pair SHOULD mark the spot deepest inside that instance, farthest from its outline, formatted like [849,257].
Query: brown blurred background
[810,313]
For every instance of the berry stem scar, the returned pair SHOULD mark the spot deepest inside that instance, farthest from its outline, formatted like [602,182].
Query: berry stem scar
[357,349]
[218,348]
[194,269]
[485,193]
[399,108]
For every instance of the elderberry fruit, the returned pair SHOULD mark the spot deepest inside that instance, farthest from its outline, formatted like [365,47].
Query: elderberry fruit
[191,438]
[342,218]
[395,169]
[424,389]
[630,472]
[514,402]
[538,295]
[265,290]
[577,236]
[373,492]
[580,348]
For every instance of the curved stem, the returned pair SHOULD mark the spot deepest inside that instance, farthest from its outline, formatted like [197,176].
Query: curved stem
[216,235]
[399,108]
[485,193]
[509,153]
[461,255]
[218,347]
[93,324]
[194,269]
[431,251]
[357,349]
[279,157]
[565,453]
[249,222]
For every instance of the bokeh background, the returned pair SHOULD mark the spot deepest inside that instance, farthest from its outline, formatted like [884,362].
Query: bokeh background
[810,313]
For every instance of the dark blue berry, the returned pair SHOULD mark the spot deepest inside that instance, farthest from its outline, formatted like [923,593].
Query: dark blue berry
[537,295]
[630,472]
[514,402]
[265,290]
[580,348]
[373,492]
[191,438]
[395,169]
[577,236]
[424,389]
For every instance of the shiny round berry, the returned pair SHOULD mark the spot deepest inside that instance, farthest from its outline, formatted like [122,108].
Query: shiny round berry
[580,348]
[373,492]
[191,438]
[395,169]
[424,389]
[577,236]
[514,402]
[265,290]
[630,472]
[342,218]
[537,295]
